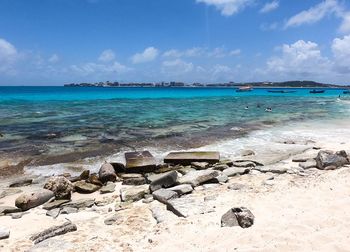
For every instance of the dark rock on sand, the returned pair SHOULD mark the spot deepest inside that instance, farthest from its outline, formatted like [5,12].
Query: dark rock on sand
[139,162]
[221,167]
[21,182]
[85,187]
[234,171]
[200,165]
[107,173]
[181,189]
[53,231]
[4,233]
[165,180]
[60,186]
[163,195]
[29,200]
[328,159]
[239,216]
[55,204]
[81,203]
[133,179]
[196,178]
[186,158]
[84,175]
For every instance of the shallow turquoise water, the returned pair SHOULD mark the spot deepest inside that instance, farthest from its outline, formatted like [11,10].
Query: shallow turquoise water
[43,120]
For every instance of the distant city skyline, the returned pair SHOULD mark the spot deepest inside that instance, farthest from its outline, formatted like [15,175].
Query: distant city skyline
[54,42]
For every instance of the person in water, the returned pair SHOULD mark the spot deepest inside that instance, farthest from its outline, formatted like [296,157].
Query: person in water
[268,109]
[246,107]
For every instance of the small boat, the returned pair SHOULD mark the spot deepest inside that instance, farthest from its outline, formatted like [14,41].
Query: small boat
[244,89]
[346,92]
[281,91]
[314,91]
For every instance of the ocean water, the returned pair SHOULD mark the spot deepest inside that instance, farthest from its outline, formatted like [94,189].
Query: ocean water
[63,124]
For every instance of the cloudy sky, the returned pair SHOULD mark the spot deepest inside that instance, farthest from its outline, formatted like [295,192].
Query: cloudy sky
[53,42]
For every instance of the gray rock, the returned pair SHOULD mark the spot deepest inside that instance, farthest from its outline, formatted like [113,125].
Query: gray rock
[29,200]
[107,173]
[148,200]
[81,203]
[9,209]
[60,186]
[186,169]
[310,163]
[68,210]
[21,182]
[181,189]
[16,216]
[4,233]
[53,212]
[165,180]
[221,167]
[200,165]
[222,178]
[109,188]
[196,178]
[272,168]
[186,158]
[53,231]
[112,219]
[188,206]
[134,181]
[244,164]
[54,204]
[247,153]
[84,187]
[326,159]
[234,171]
[139,162]
[163,195]
[9,192]
[160,214]
[134,193]
[239,216]
[53,245]
[119,206]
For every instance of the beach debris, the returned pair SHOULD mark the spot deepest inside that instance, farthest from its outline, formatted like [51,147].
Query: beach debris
[238,216]
[188,205]
[108,188]
[328,160]
[85,187]
[163,181]
[139,162]
[29,200]
[21,182]
[133,179]
[134,193]
[234,171]
[196,178]
[4,233]
[247,153]
[163,195]
[200,165]
[107,173]
[309,163]
[60,186]
[53,231]
[54,204]
[181,189]
[81,203]
[186,158]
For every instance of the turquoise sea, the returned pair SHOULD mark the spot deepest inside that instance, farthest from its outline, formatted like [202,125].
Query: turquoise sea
[63,124]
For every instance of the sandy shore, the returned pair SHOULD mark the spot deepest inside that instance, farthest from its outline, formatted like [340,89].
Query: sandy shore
[307,211]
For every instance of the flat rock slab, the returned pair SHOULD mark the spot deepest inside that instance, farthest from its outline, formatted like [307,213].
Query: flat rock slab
[181,189]
[81,203]
[54,204]
[188,205]
[134,193]
[234,171]
[163,195]
[197,178]
[165,180]
[186,158]
[139,162]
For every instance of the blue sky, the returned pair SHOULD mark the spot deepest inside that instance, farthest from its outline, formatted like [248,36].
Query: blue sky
[53,42]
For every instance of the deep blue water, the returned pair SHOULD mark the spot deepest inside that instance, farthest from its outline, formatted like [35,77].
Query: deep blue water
[45,120]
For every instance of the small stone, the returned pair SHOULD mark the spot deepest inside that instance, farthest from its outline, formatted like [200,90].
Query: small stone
[134,193]
[222,178]
[109,188]
[53,212]
[239,216]
[68,210]
[81,203]
[84,187]
[21,182]
[236,186]
[165,180]
[244,164]
[54,204]
[200,165]
[326,159]
[84,175]
[234,171]
[220,167]
[4,233]
[196,178]
[181,189]
[134,181]
[112,219]
[18,215]
[163,195]
[107,173]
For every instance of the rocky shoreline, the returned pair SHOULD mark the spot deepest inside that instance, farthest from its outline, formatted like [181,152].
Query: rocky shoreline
[179,188]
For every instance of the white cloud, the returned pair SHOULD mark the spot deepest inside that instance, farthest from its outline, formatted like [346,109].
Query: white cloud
[270,6]
[315,13]
[300,59]
[177,67]
[269,27]
[149,54]
[228,7]
[53,58]
[192,52]
[8,56]
[345,25]
[341,54]
[235,52]
[173,53]
[107,56]
[95,68]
